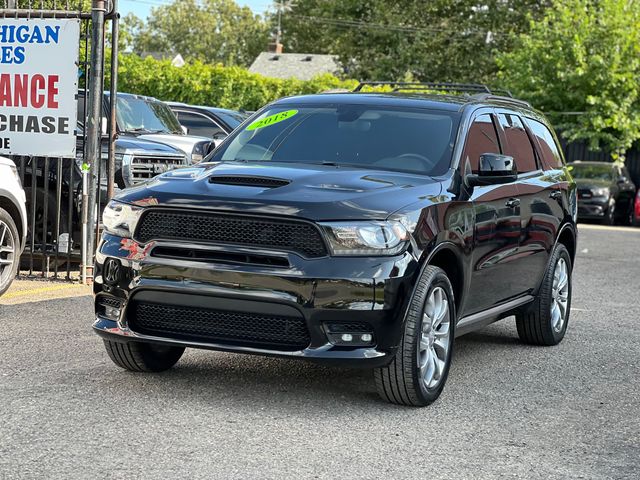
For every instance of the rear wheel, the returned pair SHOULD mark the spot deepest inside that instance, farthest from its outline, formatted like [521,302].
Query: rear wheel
[9,250]
[610,215]
[544,322]
[143,357]
[419,369]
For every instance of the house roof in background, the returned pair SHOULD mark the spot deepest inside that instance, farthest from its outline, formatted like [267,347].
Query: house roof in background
[303,66]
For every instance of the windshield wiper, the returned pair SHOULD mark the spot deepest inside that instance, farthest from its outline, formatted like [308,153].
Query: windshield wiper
[144,130]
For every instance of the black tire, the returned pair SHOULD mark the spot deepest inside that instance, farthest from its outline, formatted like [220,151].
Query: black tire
[8,260]
[143,357]
[610,214]
[401,382]
[535,322]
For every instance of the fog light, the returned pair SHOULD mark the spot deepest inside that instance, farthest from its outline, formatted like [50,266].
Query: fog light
[109,307]
[112,313]
[352,334]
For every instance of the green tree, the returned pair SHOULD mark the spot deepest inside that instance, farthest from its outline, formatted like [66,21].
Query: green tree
[208,30]
[584,56]
[439,40]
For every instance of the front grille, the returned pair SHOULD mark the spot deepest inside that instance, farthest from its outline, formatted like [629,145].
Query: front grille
[585,193]
[144,168]
[219,326]
[247,181]
[290,235]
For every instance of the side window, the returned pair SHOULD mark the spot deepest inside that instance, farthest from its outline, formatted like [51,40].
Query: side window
[482,138]
[518,145]
[625,173]
[551,156]
[198,125]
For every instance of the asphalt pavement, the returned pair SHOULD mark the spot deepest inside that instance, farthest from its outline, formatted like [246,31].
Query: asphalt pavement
[508,410]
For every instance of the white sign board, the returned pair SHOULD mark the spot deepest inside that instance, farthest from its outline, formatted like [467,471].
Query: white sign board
[38,86]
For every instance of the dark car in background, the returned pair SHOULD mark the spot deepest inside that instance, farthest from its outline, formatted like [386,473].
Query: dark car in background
[211,122]
[605,192]
[355,229]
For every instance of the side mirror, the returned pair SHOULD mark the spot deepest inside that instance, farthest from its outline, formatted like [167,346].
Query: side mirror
[185,130]
[495,169]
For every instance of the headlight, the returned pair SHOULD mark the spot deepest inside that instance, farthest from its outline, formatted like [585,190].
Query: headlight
[121,219]
[366,238]
[14,169]
[600,192]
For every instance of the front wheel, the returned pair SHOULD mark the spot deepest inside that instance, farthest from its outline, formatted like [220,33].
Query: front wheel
[419,369]
[610,215]
[9,250]
[544,321]
[143,357]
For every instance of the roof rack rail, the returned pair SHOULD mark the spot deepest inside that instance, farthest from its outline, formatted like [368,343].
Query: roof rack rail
[445,86]
[501,98]
[478,91]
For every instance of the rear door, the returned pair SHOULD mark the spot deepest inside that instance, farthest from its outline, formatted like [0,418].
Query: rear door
[497,223]
[539,212]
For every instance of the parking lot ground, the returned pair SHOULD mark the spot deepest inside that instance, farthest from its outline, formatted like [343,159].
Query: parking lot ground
[508,410]
[28,290]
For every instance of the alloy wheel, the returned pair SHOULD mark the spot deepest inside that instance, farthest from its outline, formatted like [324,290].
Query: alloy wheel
[559,295]
[7,253]
[434,344]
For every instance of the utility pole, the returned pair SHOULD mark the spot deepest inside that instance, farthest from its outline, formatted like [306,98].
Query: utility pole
[94,130]
[11,4]
[281,7]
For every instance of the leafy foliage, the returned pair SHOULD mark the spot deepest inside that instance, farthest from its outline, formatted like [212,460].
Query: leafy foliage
[584,56]
[211,31]
[213,85]
[439,40]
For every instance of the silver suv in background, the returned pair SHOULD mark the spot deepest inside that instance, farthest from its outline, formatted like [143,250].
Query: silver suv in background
[13,221]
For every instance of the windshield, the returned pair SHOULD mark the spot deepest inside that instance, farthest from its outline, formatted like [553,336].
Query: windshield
[231,118]
[406,140]
[140,115]
[595,172]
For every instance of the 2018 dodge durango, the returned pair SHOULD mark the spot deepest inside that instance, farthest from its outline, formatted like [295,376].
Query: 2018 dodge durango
[356,229]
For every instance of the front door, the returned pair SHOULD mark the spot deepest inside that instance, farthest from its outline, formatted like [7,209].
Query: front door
[497,224]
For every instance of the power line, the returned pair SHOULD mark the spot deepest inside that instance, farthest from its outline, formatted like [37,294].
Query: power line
[342,22]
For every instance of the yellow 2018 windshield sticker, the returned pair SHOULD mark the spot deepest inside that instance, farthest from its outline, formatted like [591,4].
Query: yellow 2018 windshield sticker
[272,119]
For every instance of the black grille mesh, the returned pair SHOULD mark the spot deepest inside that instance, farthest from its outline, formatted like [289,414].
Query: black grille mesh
[218,326]
[299,237]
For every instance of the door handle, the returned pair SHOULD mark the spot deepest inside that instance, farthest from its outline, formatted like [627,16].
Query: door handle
[512,203]
[556,195]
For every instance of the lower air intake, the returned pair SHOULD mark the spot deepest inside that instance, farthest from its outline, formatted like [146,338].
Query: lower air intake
[219,326]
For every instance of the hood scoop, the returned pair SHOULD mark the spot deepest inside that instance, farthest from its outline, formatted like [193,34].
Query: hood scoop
[249,181]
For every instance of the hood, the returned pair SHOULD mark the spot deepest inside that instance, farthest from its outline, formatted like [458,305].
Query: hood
[124,142]
[314,192]
[6,161]
[586,183]
[185,143]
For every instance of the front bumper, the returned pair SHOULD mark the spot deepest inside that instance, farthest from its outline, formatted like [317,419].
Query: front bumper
[320,292]
[593,208]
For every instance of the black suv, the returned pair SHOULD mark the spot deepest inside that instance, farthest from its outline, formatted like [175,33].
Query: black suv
[605,192]
[357,229]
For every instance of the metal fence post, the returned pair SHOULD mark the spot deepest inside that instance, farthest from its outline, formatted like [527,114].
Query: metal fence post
[115,31]
[94,130]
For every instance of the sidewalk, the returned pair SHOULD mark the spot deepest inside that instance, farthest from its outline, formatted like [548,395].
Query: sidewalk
[27,290]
